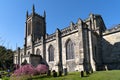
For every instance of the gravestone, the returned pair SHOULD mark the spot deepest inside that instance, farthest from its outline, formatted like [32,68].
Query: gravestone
[92,71]
[60,73]
[0,76]
[49,73]
[82,73]
[54,73]
[65,71]
[87,72]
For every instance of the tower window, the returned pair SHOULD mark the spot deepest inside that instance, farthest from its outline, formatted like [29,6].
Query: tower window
[29,28]
[38,27]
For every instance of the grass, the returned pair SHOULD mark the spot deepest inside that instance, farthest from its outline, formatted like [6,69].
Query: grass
[105,75]
[70,76]
[99,75]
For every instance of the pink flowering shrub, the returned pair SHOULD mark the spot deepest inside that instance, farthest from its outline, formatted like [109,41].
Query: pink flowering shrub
[28,69]
[25,70]
[41,69]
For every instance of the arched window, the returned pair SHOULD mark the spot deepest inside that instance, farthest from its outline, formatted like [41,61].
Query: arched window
[51,53]
[69,50]
[29,28]
[29,53]
[38,27]
[38,52]
[21,55]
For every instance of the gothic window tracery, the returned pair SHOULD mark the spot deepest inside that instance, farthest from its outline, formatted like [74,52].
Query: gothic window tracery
[69,50]
[51,53]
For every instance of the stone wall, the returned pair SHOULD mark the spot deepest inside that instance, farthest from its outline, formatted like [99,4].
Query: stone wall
[52,63]
[66,63]
[38,47]
[111,50]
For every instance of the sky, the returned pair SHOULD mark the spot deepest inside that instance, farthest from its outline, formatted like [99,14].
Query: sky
[59,14]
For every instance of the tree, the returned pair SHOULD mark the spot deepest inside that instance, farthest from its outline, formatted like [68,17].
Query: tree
[6,58]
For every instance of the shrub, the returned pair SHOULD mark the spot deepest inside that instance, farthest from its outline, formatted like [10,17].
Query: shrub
[41,69]
[28,69]
[25,70]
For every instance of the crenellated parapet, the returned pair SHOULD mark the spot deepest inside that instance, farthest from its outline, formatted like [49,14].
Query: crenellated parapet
[50,37]
[34,14]
[63,32]
[69,30]
[22,50]
[30,15]
[38,42]
[112,30]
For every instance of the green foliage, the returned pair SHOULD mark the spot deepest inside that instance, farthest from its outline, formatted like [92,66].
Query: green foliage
[6,58]
[5,78]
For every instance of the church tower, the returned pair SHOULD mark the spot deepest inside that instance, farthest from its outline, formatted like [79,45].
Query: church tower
[35,28]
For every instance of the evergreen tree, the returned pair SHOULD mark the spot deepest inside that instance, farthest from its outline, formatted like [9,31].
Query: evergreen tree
[6,58]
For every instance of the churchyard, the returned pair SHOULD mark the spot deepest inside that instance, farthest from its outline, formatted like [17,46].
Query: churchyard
[99,75]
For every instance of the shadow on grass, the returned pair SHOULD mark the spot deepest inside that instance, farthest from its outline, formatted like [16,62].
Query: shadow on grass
[41,76]
[85,76]
[70,76]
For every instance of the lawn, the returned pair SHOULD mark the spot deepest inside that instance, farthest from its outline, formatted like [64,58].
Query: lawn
[99,75]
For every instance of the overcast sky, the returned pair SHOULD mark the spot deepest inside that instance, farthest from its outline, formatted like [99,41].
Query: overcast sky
[59,15]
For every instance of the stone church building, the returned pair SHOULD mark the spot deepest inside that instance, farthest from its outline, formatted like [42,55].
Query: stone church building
[84,45]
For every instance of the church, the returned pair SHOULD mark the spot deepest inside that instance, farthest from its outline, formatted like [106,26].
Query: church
[84,45]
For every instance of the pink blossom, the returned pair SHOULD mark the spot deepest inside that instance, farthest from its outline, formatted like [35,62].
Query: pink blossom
[41,69]
[26,69]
